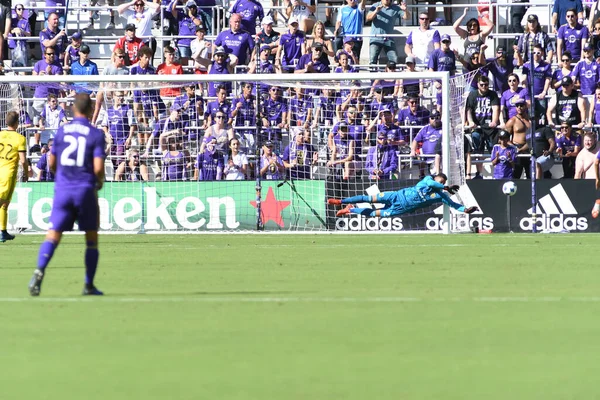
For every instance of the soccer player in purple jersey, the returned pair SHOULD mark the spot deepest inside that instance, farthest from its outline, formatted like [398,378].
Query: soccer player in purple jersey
[78,159]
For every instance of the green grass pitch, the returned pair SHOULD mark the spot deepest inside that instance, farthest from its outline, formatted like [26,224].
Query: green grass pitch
[305,317]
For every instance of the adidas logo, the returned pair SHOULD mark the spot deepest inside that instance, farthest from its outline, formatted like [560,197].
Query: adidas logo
[461,222]
[552,212]
[463,196]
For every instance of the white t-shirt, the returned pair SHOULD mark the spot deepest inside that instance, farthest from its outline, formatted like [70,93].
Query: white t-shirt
[142,22]
[234,173]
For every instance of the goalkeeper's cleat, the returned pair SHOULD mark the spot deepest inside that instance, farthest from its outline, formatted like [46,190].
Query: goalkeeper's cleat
[4,236]
[596,209]
[334,202]
[344,211]
[35,284]
[91,290]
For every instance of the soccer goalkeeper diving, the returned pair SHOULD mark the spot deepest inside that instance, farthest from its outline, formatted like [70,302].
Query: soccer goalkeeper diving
[428,191]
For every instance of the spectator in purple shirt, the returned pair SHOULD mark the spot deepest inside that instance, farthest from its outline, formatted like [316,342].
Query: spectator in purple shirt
[571,36]
[560,10]
[235,40]
[188,19]
[222,64]
[47,66]
[513,95]
[311,63]
[19,28]
[444,58]
[382,159]
[54,37]
[45,174]
[290,47]
[565,68]
[504,156]
[430,137]
[542,75]
[500,67]
[587,73]
[413,115]
[209,163]
[568,145]
[250,11]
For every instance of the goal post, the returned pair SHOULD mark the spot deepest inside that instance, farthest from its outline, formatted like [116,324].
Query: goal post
[286,192]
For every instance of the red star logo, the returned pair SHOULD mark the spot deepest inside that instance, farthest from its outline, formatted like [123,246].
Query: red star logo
[271,208]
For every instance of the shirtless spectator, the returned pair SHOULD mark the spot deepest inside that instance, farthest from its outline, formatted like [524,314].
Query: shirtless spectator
[584,163]
[518,126]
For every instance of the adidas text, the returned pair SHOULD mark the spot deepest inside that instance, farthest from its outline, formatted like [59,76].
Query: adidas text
[460,222]
[360,223]
[555,222]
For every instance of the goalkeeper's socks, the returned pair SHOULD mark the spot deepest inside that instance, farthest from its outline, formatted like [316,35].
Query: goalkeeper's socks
[367,212]
[357,199]
[45,255]
[91,262]
[3,218]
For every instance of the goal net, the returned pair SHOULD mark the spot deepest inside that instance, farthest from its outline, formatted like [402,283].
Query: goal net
[256,152]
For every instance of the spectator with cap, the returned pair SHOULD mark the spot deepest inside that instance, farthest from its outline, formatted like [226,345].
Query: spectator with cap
[268,37]
[251,11]
[235,40]
[542,76]
[384,124]
[568,145]
[311,62]
[519,127]
[571,36]
[291,45]
[349,23]
[274,114]
[243,113]
[444,58]
[140,14]
[410,86]
[263,66]
[130,44]
[17,27]
[383,16]
[54,37]
[72,50]
[560,11]
[210,163]
[187,19]
[83,67]
[201,50]
[500,66]
[219,105]
[533,33]
[271,165]
[504,156]
[222,64]
[413,115]
[421,42]
[169,67]
[172,125]
[428,143]
[568,106]
[348,49]
[382,159]
[586,73]
[299,156]
[378,100]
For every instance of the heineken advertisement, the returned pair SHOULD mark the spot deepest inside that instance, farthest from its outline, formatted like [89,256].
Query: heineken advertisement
[183,206]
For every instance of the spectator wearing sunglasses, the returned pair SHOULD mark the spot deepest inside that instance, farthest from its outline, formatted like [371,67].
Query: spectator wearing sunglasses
[19,27]
[571,36]
[533,33]
[542,76]
[140,14]
[473,36]
[130,44]
[422,41]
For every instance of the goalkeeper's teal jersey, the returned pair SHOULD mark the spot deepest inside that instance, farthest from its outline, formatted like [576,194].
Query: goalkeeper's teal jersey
[425,193]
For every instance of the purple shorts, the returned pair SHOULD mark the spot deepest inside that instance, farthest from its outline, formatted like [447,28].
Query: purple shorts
[75,204]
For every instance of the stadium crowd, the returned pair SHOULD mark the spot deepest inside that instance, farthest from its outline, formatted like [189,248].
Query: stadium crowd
[220,130]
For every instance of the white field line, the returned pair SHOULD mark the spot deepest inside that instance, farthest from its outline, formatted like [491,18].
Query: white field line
[358,300]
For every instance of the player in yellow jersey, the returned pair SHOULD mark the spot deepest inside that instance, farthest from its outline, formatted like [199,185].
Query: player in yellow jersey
[12,152]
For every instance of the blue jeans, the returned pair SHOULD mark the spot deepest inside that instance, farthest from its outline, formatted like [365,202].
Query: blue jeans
[375,48]
[184,51]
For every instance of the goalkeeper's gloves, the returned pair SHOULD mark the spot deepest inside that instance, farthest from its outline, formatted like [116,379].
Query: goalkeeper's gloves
[471,210]
[452,189]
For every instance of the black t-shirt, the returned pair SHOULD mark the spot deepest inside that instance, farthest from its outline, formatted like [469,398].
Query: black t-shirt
[480,106]
[540,140]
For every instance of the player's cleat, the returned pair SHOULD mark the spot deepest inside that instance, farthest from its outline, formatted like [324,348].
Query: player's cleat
[4,236]
[91,290]
[334,202]
[35,284]
[344,211]
[596,209]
